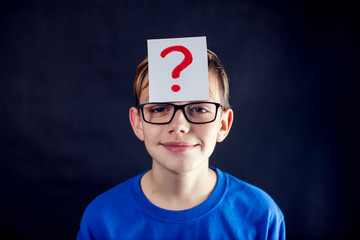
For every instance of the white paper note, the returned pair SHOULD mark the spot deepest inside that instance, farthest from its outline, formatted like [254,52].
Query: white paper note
[178,69]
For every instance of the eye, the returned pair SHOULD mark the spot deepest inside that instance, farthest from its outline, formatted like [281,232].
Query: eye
[159,108]
[199,109]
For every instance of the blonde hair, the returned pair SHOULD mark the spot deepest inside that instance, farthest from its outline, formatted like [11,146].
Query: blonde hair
[214,64]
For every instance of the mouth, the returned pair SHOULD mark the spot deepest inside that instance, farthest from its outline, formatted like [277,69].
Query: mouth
[178,146]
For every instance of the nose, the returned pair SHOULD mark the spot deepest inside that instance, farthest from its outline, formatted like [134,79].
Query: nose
[179,124]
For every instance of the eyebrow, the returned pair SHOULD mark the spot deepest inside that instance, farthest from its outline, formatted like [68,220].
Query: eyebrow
[210,95]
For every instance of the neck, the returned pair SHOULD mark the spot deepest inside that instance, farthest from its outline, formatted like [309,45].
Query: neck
[178,191]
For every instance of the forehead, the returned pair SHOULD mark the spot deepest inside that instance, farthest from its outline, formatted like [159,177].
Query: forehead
[214,90]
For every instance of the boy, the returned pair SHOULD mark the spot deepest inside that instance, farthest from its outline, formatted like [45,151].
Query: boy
[181,197]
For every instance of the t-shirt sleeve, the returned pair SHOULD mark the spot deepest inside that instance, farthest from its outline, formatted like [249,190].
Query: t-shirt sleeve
[276,229]
[84,231]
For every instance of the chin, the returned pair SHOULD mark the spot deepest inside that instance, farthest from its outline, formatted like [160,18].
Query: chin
[181,165]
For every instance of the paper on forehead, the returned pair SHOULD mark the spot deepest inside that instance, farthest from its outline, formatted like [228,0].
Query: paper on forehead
[187,83]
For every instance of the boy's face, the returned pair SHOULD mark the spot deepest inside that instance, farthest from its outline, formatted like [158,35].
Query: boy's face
[181,146]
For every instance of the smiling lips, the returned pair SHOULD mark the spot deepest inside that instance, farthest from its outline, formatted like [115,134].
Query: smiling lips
[178,146]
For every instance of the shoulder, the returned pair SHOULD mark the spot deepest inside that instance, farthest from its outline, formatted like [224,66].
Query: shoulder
[247,196]
[253,207]
[117,197]
[108,210]
[99,213]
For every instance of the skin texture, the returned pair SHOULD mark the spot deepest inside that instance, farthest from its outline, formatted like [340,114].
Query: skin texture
[180,177]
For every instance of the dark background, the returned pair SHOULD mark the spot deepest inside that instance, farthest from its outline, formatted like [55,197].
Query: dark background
[67,69]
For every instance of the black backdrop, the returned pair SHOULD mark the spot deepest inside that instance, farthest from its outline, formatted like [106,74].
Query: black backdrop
[67,68]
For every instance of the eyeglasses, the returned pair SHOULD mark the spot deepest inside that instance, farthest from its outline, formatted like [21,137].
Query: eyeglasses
[163,113]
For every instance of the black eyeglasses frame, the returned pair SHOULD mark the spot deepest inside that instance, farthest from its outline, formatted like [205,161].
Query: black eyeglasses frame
[181,107]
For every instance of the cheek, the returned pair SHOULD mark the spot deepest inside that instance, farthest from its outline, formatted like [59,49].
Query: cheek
[209,133]
[150,137]
[151,132]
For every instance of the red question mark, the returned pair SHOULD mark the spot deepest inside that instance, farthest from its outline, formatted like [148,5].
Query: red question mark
[179,68]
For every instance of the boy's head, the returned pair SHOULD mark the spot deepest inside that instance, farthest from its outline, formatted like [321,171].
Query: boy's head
[187,137]
[215,68]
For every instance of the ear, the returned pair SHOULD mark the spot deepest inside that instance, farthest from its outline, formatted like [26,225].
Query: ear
[136,124]
[225,125]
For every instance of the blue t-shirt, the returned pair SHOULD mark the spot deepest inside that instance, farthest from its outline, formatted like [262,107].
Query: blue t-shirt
[234,210]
